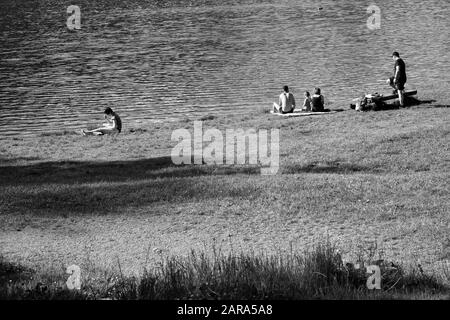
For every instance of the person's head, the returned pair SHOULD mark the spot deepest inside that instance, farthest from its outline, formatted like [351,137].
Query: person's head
[317,91]
[395,55]
[108,111]
[307,94]
[286,89]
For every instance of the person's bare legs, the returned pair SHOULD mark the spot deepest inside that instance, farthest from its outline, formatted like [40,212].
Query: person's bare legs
[276,107]
[401,98]
[100,131]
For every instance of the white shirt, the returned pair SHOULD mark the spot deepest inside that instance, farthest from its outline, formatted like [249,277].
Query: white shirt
[287,101]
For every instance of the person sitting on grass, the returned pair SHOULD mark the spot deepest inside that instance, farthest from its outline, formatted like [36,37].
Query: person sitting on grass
[286,102]
[317,101]
[114,124]
[307,102]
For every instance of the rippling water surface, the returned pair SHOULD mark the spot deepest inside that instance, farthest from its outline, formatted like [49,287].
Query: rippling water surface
[161,60]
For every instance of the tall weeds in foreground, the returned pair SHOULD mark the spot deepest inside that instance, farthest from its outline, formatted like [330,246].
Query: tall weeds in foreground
[319,274]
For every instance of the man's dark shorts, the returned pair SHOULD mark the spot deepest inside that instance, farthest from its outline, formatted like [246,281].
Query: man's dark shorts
[398,85]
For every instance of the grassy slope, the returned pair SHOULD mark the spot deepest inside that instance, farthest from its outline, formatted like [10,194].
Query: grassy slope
[365,179]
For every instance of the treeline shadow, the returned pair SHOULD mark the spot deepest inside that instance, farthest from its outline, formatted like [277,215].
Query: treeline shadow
[118,197]
[64,188]
[76,172]
[107,197]
[69,172]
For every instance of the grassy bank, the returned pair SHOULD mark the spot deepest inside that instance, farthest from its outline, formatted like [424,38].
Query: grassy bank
[319,274]
[375,179]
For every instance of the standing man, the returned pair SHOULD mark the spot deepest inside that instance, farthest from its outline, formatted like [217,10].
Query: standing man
[286,102]
[399,79]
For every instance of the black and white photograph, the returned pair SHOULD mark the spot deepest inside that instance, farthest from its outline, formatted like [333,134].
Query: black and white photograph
[224,155]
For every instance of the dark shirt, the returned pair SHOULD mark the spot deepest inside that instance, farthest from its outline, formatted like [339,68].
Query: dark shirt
[401,75]
[118,121]
[317,103]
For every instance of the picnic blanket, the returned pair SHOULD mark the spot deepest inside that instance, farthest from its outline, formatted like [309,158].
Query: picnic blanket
[299,113]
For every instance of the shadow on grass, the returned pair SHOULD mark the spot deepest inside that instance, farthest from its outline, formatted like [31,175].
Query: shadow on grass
[111,187]
[441,106]
[59,187]
[409,102]
[70,172]
[330,167]
[75,172]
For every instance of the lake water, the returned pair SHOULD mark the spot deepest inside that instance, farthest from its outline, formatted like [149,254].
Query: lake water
[160,60]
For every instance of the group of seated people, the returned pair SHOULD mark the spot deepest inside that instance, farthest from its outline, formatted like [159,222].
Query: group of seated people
[286,103]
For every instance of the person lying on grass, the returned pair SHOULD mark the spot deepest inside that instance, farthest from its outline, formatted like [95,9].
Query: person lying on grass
[114,124]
